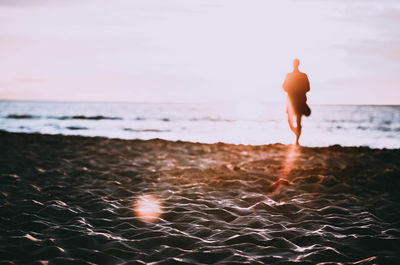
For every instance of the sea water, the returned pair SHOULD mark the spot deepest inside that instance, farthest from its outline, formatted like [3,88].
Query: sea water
[238,123]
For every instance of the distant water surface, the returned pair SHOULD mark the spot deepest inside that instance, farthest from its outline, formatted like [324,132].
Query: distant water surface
[374,126]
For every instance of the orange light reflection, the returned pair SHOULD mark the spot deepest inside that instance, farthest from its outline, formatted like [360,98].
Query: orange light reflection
[289,160]
[147,208]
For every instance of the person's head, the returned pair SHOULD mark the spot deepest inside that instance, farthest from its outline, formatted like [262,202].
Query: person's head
[296,63]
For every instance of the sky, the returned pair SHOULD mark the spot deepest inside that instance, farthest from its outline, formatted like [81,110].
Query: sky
[199,50]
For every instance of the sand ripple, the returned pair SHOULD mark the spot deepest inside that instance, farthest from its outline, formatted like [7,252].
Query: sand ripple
[71,200]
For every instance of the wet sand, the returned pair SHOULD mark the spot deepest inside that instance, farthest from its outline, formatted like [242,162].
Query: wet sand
[72,200]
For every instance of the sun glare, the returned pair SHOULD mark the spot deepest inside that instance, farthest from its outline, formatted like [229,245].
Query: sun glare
[290,158]
[147,208]
[288,163]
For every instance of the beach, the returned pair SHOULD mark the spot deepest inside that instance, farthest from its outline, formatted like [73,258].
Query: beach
[77,200]
[199,132]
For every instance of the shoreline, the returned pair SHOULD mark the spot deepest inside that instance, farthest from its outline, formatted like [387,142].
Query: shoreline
[333,146]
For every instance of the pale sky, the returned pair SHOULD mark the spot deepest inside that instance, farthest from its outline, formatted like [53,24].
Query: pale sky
[199,50]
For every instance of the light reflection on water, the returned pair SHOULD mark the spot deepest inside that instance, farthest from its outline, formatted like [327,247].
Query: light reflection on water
[240,123]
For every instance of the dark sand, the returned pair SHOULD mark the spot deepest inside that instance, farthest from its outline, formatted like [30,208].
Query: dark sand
[69,200]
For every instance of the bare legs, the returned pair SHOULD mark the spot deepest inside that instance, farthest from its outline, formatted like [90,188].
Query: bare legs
[290,121]
[296,130]
[298,127]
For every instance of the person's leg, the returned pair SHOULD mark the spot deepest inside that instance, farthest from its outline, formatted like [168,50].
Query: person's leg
[290,113]
[298,128]
[290,121]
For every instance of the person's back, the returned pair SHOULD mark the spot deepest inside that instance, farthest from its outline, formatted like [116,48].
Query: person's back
[296,82]
[296,85]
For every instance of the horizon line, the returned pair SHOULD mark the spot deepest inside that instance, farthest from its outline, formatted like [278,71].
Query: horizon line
[192,102]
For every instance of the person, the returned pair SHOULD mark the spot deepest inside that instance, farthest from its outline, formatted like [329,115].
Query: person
[296,85]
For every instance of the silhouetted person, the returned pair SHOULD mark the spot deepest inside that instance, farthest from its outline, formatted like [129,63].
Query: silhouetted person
[296,86]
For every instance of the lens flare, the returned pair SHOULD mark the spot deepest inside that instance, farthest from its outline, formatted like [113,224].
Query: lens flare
[147,208]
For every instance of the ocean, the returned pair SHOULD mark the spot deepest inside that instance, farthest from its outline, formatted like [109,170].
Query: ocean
[240,123]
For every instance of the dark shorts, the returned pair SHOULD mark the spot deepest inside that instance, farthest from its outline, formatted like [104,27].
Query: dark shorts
[300,108]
